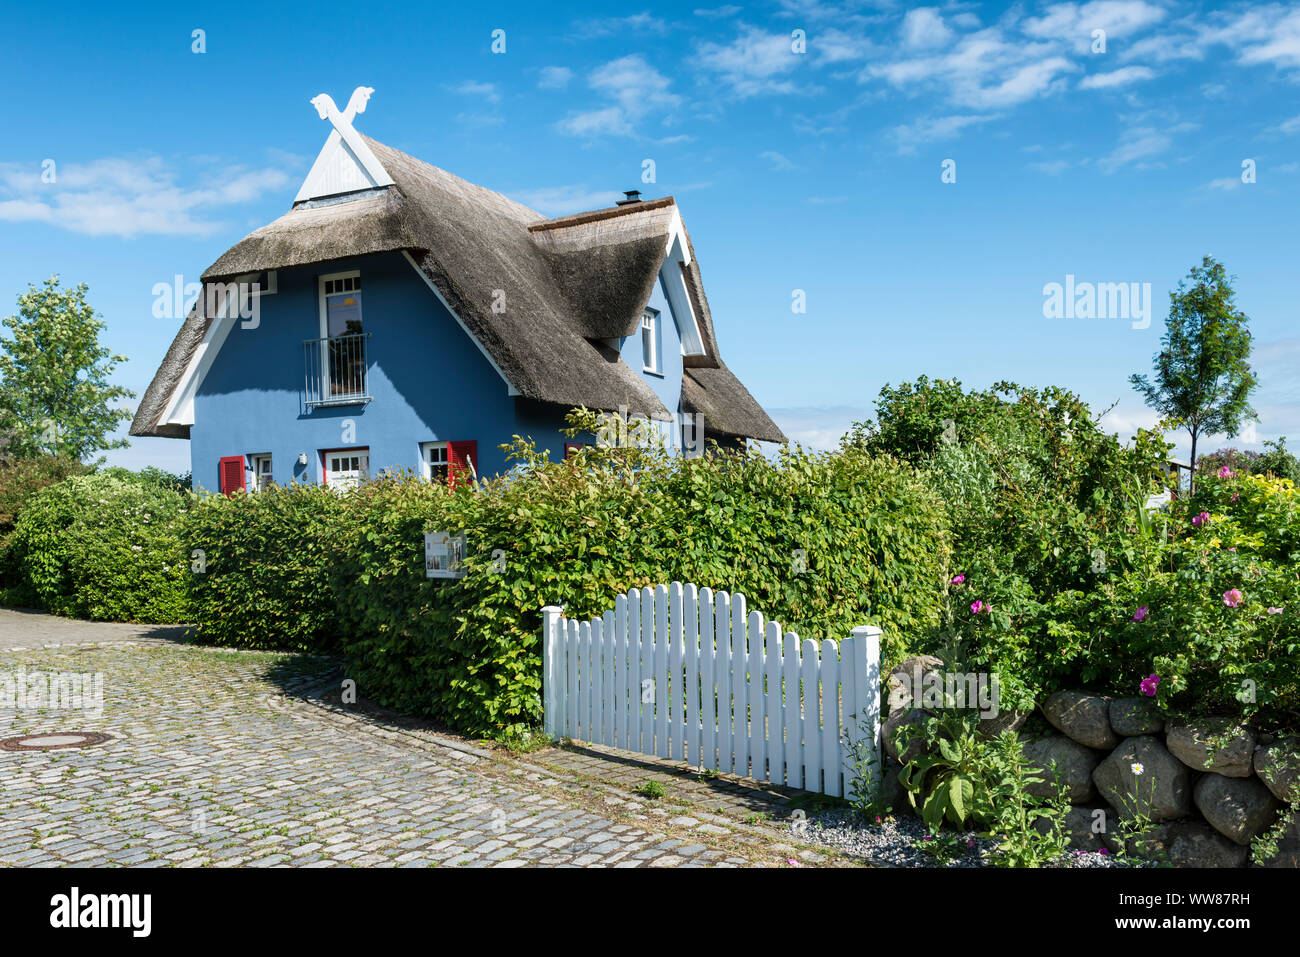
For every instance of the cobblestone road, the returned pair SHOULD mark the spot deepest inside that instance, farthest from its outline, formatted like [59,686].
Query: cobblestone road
[210,762]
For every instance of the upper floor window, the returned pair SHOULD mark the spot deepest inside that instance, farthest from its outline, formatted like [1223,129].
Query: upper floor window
[341,305]
[650,341]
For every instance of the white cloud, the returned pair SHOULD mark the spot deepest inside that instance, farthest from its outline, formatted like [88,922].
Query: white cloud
[562,200]
[127,198]
[554,77]
[1126,418]
[605,26]
[1116,78]
[780,163]
[982,71]
[610,121]
[1139,143]
[1224,183]
[923,28]
[1267,34]
[487,91]
[1289,126]
[636,88]
[1051,167]
[718,13]
[1074,23]
[930,129]
[755,62]
[634,83]
[821,428]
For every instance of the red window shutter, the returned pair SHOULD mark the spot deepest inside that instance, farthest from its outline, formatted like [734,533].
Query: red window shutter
[231,470]
[571,447]
[460,455]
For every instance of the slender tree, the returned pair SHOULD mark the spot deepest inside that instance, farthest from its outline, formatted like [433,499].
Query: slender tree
[1203,378]
[55,395]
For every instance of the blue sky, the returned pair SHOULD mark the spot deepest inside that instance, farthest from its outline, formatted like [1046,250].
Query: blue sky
[818,169]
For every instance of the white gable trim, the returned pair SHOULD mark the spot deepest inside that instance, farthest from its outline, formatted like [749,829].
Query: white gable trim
[180,408]
[510,388]
[345,164]
[677,253]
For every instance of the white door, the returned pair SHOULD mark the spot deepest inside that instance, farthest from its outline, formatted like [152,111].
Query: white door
[344,470]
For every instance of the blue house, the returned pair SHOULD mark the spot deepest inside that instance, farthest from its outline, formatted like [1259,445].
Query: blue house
[398,316]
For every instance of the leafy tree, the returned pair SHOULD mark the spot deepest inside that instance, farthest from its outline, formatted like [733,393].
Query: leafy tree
[1203,378]
[55,395]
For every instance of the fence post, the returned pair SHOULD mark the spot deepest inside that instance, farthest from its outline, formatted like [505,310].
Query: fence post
[866,697]
[551,689]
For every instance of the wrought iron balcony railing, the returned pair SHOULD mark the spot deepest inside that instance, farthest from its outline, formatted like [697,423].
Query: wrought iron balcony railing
[336,370]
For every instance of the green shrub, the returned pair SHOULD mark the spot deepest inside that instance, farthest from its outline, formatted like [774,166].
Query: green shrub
[104,547]
[1220,606]
[1275,460]
[818,542]
[1040,498]
[20,479]
[261,575]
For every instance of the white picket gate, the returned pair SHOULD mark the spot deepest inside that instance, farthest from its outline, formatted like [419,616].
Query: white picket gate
[694,677]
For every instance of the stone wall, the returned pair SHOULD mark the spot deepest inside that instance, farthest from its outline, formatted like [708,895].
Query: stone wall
[1207,786]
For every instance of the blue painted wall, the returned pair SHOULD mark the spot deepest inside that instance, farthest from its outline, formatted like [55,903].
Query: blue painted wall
[429,381]
[667,386]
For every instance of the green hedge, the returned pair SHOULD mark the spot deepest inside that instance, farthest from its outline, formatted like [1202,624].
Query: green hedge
[869,532]
[20,479]
[107,547]
[259,567]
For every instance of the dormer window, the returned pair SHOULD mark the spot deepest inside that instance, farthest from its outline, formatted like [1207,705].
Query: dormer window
[650,342]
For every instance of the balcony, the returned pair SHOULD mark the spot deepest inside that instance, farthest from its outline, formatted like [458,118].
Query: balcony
[336,371]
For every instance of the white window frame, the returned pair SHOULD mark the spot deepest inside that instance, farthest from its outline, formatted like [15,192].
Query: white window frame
[255,463]
[650,320]
[426,467]
[344,479]
[320,295]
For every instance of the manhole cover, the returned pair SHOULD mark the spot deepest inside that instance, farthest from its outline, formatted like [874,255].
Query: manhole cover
[53,742]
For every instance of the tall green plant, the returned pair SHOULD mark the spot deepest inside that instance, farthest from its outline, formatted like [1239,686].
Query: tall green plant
[55,394]
[1203,378]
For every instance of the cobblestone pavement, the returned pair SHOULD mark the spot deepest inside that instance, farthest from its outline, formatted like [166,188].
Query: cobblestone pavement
[215,759]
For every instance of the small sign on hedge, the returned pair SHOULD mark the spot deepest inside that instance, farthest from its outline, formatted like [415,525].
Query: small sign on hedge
[443,554]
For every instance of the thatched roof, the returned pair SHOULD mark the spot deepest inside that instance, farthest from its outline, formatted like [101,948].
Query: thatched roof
[568,283]
[729,410]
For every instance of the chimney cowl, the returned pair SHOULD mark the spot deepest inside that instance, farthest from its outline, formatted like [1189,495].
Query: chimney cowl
[630,196]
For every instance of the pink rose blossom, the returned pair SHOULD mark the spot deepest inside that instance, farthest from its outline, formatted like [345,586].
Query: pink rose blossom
[957,579]
[1232,598]
[1140,614]
[1275,611]
[1225,472]
[1201,519]
[978,607]
[1148,686]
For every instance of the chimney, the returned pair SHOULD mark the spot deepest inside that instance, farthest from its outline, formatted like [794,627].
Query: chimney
[630,196]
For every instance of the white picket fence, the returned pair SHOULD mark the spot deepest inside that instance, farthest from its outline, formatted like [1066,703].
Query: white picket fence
[694,677]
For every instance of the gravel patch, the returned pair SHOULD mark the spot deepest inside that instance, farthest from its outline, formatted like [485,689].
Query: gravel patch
[905,841]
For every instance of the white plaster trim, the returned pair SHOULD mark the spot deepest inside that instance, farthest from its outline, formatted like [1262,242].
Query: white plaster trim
[180,406]
[679,297]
